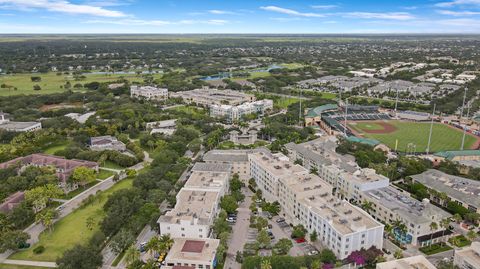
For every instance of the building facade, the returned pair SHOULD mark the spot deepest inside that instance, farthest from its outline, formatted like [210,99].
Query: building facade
[148,92]
[233,113]
[190,253]
[468,257]
[17,126]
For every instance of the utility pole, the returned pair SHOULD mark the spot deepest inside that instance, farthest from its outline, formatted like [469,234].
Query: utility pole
[464,128]
[431,128]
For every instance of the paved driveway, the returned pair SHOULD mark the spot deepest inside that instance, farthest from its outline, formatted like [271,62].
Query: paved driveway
[284,230]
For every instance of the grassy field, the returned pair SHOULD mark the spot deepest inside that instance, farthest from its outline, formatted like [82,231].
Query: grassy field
[12,266]
[444,137]
[72,229]
[51,82]
[56,147]
[104,174]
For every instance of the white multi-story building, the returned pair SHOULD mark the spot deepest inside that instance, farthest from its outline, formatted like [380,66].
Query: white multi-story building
[148,92]
[341,171]
[390,205]
[192,253]
[414,262]
[468,257]
[237,112]
[306,199]
[197,202]
[207,97]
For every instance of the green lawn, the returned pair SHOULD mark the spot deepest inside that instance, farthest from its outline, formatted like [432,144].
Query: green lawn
[459,241]
[51,82]
[104,174]
[435,248]
[112,165]
[56,147]
[284,102]
[443,136]
[71,230]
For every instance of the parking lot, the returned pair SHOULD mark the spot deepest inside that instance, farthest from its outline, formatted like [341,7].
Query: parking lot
[283,230]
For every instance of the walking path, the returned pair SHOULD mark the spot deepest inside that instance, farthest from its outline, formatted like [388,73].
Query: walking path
[31,263]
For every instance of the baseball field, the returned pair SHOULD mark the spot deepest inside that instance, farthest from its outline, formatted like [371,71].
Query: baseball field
[413,136]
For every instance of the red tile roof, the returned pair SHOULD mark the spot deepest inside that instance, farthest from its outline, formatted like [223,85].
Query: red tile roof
[182,267]
[193,246]
[12,201]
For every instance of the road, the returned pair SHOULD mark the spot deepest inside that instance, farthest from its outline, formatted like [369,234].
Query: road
[239,232]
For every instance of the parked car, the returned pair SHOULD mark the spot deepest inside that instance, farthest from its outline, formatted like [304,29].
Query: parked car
[142,247]
[279,220]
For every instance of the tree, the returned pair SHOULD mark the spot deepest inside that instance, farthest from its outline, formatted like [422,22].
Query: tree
[37,87]
[265,264]
[122,240]
[299,231]
[316,264]
[166,242]
[12,239]
[263,239]
[472,235]
[46,217]
[40,196]
[442,264]
[229,204]
[90,223]
[367,206]
[131,255]
[398,254]
[82,175]
[327,256]
[283,246]
[80,257]
[261,223]
[313,236]
[444,223]
[433,227]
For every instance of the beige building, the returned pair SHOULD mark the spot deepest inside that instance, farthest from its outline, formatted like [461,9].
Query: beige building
[148,92]
[306,199]
[192,253]
[208,97]
[468,257]
[414,262]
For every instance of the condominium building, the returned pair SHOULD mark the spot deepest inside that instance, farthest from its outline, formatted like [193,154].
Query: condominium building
[237,158]
[237,112]
[197,202]
[207,97]
[148,92]
[390,205]
[17,126]
[463,191]
[306,199]
[414,262]
[190,253]
[468,257]
[341,171]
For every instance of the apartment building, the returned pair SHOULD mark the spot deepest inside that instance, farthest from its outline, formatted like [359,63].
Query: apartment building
[207,97]
[190,253]
[468,257]
[237,112]
[414,262]
[197,202]
[341,171]
[148,92]
[237,158]
[307,199]
[463,191]
[391,204]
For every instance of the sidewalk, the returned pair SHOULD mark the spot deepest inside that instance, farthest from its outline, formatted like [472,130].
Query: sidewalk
[31,263]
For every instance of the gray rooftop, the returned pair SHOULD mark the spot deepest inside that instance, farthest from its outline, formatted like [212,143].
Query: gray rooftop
[15,125]
[212,167]
[233,155]
[461,189]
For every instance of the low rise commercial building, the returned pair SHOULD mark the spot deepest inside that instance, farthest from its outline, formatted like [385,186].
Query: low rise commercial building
[341,171]
[190,253]
[463,191]
[306,199]
[233,113]
[414,262]
[166,127]
[107,142]
[17,126]
[468,257]
[207,97]
[391,205]
[148,92]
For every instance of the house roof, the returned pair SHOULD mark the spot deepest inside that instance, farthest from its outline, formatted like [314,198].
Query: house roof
[195,246]
[449,155]
[320,109]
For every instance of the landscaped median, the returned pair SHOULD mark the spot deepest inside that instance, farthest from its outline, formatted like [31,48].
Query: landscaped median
[73,229]
[435,248]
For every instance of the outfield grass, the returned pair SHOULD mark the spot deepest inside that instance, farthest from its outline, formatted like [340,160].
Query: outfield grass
[72,229]
[51,82]
[444,137]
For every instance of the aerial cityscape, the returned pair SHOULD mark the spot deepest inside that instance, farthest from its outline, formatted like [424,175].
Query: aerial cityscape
[239,134]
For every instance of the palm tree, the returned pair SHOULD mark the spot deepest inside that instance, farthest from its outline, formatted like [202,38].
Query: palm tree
[131,255]
[457,217]
[316,264]
[472,235]
[166,242]
[265,264]
[367,206]
[153,245]
[433,227]
[444,223]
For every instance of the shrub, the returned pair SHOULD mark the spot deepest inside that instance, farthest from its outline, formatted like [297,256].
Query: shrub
[39,250]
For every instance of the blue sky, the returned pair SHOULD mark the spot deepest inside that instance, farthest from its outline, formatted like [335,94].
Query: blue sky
[245,16]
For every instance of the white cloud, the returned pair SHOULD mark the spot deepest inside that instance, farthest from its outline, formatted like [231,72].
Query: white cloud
[61,6]
[220,12]
[461,22]
[324,6]
[458,3]
[291,12]
[136,22]
[457,13]
[386,15]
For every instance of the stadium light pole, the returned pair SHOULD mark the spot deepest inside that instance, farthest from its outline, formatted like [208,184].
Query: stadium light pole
[346,112]
[464,128]
[463,104]
[431,128]
[396,104]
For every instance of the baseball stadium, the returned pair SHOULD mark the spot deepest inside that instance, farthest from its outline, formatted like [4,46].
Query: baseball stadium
[404,131]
